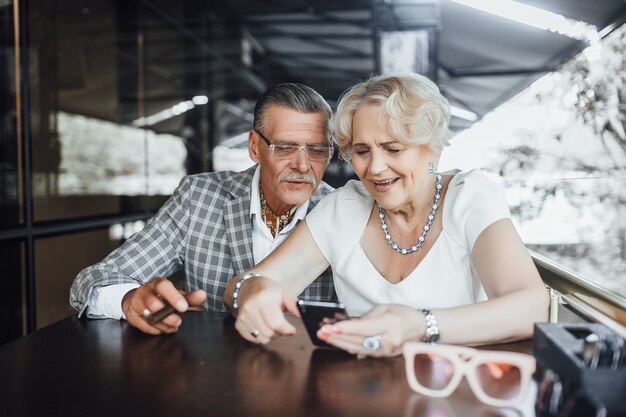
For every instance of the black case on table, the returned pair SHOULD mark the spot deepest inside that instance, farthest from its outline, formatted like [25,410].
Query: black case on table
[559,346]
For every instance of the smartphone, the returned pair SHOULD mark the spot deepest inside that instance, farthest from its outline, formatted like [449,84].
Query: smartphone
[317,313]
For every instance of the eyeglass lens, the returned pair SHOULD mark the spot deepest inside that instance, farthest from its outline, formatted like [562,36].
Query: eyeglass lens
[285,151]
[433,371]
[316,152]
[497,380]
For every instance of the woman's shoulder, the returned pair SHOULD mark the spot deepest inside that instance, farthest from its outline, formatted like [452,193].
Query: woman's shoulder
[471,184]
[473,177]
[353,191]
[346,205]
[337,222]
[473,201]
[356,190]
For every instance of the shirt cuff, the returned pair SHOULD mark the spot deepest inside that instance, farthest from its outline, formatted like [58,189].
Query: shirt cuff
[106,301]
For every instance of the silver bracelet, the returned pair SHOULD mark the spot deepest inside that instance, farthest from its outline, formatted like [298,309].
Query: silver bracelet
[237,287]
[431,335]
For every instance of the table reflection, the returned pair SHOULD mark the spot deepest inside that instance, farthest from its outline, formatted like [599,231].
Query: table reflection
[338,383]
[420,406]
[268,381]
[158,366]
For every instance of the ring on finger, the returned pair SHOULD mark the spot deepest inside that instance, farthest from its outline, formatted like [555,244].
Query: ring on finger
[371,343]
[255,333]
[146,313]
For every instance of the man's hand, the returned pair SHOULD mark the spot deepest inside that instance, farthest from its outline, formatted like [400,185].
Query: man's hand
[151,297]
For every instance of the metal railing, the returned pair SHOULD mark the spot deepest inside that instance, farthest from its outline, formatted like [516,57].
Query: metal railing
[584,297]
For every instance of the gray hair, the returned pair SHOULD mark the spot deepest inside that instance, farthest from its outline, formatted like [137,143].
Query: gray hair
[411,107]
[292,96]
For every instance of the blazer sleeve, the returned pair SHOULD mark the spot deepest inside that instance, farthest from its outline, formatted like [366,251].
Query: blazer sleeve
[157,250]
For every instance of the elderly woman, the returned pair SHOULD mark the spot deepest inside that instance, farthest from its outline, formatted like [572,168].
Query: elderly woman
[416,254]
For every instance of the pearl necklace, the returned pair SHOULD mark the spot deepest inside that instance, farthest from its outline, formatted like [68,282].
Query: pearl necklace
[422,238]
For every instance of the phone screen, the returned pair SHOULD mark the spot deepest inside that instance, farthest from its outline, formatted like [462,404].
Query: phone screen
[316,313]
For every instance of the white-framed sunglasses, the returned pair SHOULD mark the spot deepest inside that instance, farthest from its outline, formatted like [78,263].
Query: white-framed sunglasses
[497,378]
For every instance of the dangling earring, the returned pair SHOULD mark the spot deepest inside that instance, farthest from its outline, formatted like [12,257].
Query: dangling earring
[433,168]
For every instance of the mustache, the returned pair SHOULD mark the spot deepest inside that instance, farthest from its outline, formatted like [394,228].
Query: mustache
[298,176]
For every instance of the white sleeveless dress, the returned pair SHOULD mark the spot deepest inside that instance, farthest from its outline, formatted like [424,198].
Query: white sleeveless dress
[445,277]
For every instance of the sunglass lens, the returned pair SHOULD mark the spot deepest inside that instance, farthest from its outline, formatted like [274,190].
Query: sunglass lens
[499,380]
[433,371]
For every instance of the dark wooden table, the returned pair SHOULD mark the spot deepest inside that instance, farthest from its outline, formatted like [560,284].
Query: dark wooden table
[94,368]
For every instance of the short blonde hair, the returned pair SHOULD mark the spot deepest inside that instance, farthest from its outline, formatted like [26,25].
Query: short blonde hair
[411,106]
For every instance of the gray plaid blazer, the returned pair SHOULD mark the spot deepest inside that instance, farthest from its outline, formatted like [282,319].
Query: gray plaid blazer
[204,228]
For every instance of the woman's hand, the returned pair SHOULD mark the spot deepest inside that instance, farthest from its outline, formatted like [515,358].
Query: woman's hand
[391,324]
[262,303]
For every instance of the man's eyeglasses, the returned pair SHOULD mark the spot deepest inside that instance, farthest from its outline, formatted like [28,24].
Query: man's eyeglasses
[287,151]
[499,379]
[553,400]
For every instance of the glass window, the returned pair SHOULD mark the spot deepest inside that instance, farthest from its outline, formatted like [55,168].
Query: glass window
[12,306]
[91,70]
[55,269]
[578,223]
[9,150]
[559,148]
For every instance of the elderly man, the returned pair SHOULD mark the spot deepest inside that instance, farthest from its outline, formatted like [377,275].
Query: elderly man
[217,225]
